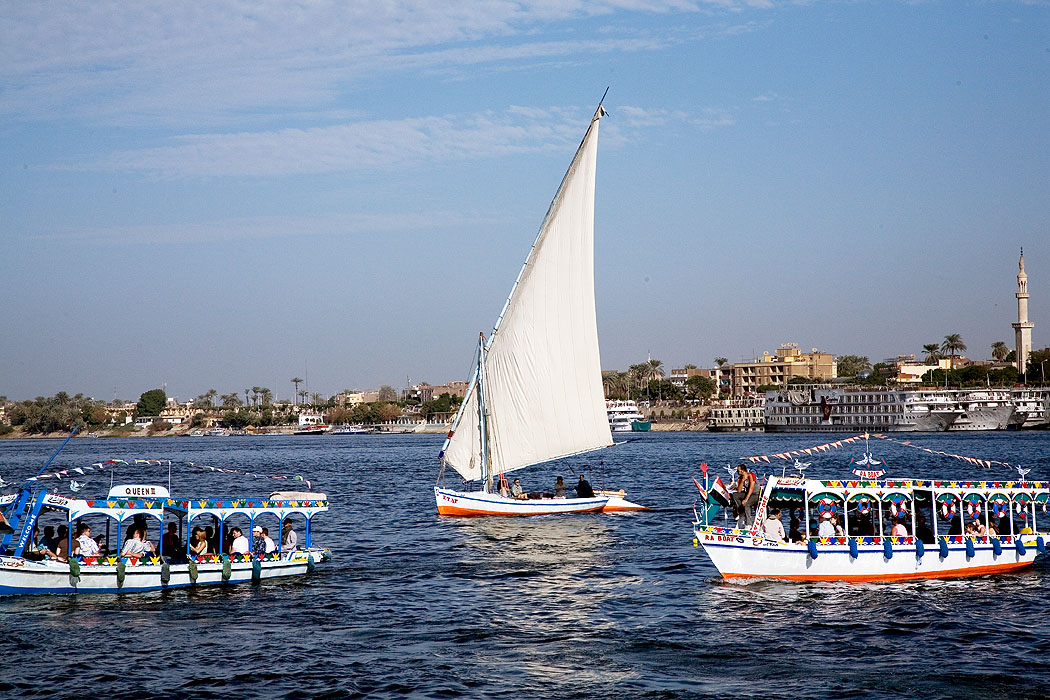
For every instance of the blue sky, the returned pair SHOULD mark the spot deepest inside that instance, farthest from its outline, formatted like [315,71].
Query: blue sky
[227,195]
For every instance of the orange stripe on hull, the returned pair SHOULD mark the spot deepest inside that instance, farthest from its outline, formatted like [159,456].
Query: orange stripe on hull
[471,512]
[950,573]
[620,509]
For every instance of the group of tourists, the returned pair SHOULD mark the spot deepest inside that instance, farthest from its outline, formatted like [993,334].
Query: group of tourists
[583,489]
[56,545]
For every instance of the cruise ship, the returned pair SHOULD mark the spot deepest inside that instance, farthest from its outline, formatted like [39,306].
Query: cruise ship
[986,409]
[821,408]
[624,416]
[1033,407]
[738,416]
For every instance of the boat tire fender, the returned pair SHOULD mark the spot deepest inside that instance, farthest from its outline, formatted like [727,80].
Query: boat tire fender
[256,571]
[1040,545]
[310,563]
[853,548]
[969,548]
[997,546]
[192,571]
[942,543]
[165,574]
[227,567]
[1019,546]
[812,547]
[74,572]
[887,548]
[122,572]
[920,549]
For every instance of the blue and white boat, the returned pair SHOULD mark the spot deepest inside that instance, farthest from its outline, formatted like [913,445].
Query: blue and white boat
[26,568]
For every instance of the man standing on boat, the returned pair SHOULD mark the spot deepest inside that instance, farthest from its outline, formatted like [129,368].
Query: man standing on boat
[583,489]
[745,498]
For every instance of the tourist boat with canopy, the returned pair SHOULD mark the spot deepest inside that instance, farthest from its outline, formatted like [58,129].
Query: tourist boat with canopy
[888,529]
[25,569]
[536,394]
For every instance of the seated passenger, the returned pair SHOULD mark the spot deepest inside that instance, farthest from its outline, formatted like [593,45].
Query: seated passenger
[971,529]
[62,544]
[838,527]
[559,488]
[135,547]
[795,533]
[826,527]
[516,490]
[270,546]
[240,544]
[49,541]
[1004,525]
[88,546]
[258,543]
[504,490]
[289,540]
[923,531]
[171,545]
[992,530]
[773,527]
[899,529]
[198,542]
[583,489]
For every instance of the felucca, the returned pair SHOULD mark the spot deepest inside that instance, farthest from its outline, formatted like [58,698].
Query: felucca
[536,394]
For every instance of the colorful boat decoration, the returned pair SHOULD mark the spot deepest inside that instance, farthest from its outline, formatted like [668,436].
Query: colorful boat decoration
[536,394]
[26,568]
[891,530]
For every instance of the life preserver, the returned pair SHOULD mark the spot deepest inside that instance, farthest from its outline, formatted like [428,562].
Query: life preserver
[948,510]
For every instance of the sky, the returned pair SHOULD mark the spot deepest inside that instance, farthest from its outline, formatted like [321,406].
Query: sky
[224,195]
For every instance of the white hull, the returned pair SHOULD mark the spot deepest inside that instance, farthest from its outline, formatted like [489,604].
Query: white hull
[473,503]
[21,576]
[985,418]
[737,554]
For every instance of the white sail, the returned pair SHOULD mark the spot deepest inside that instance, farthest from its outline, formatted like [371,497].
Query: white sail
[542,373]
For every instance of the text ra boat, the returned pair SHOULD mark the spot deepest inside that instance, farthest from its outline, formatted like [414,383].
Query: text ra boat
[24,571]
[1013,515]
[536,394]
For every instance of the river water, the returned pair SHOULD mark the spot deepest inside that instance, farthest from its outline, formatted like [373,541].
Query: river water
[583,606]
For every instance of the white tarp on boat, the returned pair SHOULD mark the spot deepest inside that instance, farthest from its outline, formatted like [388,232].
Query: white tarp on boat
[543,388]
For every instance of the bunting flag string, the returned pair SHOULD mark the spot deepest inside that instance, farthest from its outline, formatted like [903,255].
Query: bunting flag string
[985,463]
[109,464]
[791,454]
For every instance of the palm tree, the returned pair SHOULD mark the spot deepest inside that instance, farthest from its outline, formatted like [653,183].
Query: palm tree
[267,396]
[999,350]
[296,381]
[654,369]
[721,361]
[933,353]
[953,344]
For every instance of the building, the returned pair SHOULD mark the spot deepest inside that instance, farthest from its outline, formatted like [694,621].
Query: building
[1023,327]
[353,398]
[778,369]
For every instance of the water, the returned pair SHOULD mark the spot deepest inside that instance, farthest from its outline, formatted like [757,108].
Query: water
[583,606]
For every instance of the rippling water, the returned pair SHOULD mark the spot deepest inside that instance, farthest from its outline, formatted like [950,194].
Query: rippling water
[582,606]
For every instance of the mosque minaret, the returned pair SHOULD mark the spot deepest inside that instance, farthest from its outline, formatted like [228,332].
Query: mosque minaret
[1023,327]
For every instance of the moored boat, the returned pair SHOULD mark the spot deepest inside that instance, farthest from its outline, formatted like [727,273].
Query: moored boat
[888,530]
[26,568]
[536,394]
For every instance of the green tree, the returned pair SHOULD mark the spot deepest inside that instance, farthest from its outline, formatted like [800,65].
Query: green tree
[151,403]
[206,400]
[386,411]
[953,344]
[296,381]
[231,400]
[852,365]
[721,361]
[1036,369]
[933,353]
[387,393]
[999,350]
[697,387]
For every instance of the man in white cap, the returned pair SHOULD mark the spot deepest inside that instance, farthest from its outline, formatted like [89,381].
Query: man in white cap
[258,543]
[827,528]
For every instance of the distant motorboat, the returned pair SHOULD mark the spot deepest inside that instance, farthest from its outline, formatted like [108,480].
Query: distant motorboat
[312,430]
[349,430]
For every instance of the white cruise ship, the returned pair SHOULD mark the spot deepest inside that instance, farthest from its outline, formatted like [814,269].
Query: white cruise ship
[985,409]
[821,408]
[624,416]
[738,416]
[1032,407]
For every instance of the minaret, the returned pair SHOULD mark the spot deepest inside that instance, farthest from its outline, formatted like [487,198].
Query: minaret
[1023,327]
